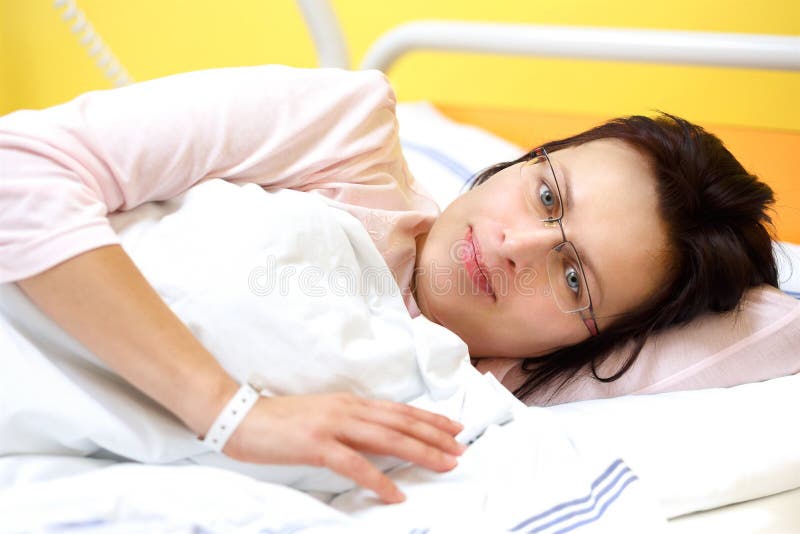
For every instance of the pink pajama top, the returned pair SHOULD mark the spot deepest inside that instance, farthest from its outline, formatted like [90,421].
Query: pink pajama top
[326,131]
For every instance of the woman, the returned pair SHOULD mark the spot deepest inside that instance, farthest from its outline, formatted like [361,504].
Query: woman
[495,268]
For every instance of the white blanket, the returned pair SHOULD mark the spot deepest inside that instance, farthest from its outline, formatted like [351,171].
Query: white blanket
[324,316]
[525,476]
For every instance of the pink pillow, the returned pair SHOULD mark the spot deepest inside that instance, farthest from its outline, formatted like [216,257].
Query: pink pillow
[758,343]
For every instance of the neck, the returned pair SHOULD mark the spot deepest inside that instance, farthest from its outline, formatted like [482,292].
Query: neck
[417,279]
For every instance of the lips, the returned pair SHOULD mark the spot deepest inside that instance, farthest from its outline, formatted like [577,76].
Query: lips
[476,269]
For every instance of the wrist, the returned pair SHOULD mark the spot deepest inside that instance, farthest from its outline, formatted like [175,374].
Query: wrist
[229,419]
[202,402]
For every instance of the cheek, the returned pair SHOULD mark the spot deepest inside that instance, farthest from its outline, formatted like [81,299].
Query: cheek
[535,326]
[454,216]
[503,194]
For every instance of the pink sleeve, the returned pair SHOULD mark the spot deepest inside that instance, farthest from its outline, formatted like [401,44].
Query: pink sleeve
[63,169]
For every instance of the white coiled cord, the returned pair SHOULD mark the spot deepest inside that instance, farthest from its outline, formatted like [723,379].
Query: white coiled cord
[105,61]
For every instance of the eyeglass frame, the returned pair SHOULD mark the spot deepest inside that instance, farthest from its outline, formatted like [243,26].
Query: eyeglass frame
[586,314]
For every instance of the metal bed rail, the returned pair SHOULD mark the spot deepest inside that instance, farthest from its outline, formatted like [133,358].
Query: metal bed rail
[772,52]
[651,46]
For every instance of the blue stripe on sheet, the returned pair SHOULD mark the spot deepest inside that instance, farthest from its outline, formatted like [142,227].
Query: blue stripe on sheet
[586,510]
[581,500]
[602,508]
[794,294]
[442,159]
[300,526]
[70,525]
[592,498]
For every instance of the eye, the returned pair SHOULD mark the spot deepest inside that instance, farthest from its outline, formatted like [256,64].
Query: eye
[573,279]
[546,196]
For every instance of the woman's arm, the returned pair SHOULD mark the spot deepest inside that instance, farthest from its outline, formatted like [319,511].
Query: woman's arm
[102,300]
[63,169]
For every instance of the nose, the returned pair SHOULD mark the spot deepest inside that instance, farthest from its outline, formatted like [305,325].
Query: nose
[527,245]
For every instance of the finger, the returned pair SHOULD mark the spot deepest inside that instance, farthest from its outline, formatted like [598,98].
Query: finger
[438,420]
[350,464]
[375,439]
[421,430]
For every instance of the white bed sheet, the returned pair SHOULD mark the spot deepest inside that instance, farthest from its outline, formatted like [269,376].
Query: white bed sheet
[776,514]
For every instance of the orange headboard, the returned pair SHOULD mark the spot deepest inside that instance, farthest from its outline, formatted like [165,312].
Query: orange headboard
[773,155]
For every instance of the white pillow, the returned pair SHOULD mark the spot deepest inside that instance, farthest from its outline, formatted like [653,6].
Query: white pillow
[756,342]
[700,449]
[442,154]
[788,258]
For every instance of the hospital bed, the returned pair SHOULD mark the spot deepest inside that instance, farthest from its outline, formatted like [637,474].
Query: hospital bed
[495,135]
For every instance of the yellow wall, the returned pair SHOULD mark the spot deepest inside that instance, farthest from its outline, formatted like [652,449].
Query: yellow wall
[527,100]
[41,63]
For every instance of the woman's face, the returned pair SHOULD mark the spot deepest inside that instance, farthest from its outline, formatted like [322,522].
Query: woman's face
[610,214]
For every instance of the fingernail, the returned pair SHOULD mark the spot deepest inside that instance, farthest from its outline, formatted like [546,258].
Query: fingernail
[458,448]
[451,460]
[398,497]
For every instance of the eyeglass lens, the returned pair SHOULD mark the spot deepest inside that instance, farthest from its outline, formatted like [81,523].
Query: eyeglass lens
[564,271]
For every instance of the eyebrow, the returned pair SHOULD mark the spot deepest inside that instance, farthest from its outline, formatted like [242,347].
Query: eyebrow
[563,179]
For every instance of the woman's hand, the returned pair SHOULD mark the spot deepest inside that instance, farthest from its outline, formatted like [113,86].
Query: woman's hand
[333,430]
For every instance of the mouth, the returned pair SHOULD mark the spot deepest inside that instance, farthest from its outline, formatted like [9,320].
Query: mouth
[476,269]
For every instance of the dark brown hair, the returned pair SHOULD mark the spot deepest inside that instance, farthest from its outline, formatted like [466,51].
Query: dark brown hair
[719,230]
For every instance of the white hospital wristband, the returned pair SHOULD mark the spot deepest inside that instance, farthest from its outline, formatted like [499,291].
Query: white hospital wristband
[230,417]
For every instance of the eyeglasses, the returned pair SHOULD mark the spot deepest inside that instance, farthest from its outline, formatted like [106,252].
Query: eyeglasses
[564,268]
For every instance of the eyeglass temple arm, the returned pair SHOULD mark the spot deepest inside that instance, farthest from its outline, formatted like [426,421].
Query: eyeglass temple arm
[589,321]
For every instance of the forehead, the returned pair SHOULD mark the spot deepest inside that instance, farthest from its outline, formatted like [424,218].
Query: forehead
[614,220]
[606,161]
